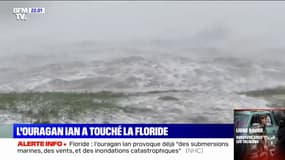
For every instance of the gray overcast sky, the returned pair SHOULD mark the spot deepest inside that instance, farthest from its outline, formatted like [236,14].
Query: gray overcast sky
[112,21]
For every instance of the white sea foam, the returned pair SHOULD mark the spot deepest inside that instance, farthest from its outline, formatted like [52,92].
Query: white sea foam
[157,88]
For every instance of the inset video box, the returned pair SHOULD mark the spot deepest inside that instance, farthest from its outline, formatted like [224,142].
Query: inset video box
[259,134]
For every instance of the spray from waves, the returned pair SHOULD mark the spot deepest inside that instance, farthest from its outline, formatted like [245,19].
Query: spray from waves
[141,74]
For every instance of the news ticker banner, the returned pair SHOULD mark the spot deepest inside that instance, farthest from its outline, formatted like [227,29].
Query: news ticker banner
[119,141]
[123,131]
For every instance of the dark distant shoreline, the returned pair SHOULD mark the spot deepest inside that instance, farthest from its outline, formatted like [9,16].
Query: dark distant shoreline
[276,96]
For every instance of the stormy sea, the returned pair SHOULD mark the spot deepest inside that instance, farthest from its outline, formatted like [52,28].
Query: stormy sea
[88,83]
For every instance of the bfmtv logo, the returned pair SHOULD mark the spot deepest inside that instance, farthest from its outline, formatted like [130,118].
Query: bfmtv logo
[21,13]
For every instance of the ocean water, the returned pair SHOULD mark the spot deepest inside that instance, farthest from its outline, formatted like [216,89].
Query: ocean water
[132,88]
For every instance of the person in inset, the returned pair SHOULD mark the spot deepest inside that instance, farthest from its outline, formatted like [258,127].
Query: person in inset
[263,123]
[263,149]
